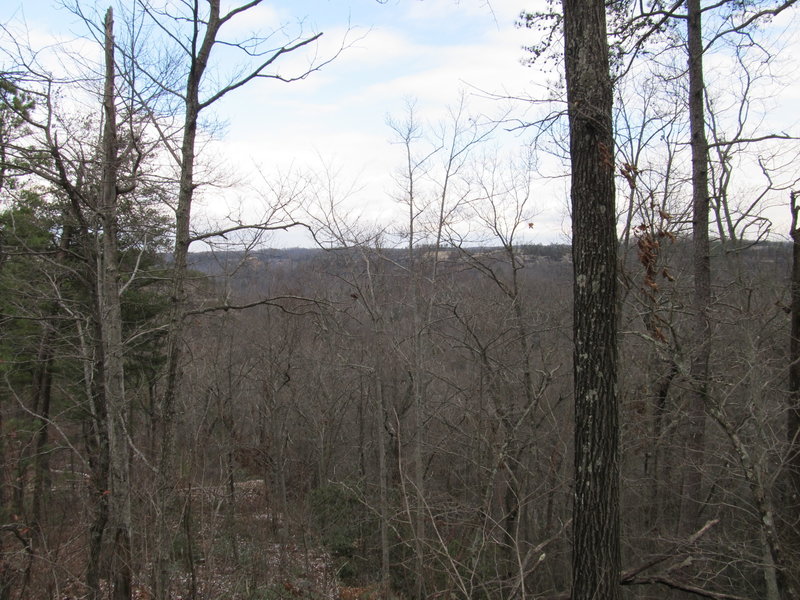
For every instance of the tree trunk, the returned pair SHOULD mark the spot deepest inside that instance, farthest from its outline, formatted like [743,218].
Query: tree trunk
[793,414]
[99,466]
[42,392]
[383,480]
[596,551]
[691,498]
[183,211]
[95,433]
[111,327]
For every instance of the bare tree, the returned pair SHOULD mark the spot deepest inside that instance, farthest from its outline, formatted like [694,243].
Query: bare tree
[194,34]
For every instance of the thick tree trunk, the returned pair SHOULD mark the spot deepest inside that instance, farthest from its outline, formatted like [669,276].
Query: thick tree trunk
[793,413]
[595,552]
[695,431]
[793,418]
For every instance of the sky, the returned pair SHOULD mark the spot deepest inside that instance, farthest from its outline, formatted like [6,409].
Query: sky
[430,53]
[427,53]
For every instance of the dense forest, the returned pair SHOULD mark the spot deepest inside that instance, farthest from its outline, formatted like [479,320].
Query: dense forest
[439,408]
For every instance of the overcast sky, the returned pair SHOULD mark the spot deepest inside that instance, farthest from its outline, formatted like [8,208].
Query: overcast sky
[426,51]
[429,52]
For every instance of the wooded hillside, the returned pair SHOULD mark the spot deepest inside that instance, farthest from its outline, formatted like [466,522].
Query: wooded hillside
[435,407]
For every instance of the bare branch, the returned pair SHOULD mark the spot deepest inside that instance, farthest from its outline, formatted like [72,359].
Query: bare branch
[273,301]
[258,72]
[752,140]
[251,227]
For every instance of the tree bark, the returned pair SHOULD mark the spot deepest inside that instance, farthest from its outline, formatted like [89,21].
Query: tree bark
[793,414]
[692,482]
[42,393]
[595,552]
[111,326]
[383,478]
[95,433]
[183,211]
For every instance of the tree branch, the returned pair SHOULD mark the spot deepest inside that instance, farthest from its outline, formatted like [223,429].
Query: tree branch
[223,232]
[256,73]
[274,301]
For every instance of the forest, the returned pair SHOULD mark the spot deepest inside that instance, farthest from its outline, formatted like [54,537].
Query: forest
[440,407]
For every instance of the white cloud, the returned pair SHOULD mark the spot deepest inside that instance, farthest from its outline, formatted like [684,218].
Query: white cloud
[340,113]
[431,51]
